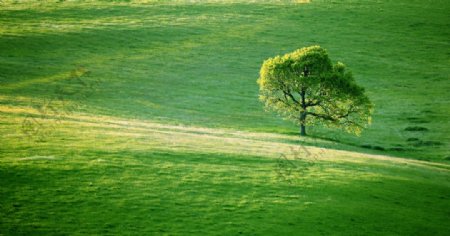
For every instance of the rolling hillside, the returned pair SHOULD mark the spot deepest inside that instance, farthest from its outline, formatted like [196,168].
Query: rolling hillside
[142,117]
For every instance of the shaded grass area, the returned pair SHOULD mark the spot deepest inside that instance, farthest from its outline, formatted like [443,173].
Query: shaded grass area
[192,193]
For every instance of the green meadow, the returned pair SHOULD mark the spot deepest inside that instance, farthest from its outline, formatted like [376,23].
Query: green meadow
[142,118]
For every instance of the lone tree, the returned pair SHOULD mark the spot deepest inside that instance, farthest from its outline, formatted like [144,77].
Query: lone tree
[305,87]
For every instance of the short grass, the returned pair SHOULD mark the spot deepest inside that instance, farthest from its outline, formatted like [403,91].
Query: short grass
[196,64]
[193,193]
[108,176]
[166,135]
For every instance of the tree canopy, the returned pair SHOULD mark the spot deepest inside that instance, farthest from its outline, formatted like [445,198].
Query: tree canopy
[306,87]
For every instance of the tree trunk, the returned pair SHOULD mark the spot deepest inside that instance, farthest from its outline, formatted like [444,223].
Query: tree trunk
[303,113]
[302,130]
[302,123]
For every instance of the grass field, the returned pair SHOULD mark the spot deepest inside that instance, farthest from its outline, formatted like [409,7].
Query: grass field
[163,132]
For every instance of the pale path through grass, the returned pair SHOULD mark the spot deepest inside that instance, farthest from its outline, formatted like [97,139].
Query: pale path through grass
[142,135]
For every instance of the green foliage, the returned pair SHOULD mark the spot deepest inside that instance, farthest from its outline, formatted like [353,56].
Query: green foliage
[305,87]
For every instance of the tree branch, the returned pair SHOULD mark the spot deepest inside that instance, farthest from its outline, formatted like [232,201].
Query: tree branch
[288,93]
[325,117]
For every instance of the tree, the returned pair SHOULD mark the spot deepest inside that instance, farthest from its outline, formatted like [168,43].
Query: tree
[305,87]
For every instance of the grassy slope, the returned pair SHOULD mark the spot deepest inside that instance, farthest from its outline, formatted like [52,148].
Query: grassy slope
[109,176]
[197,65]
